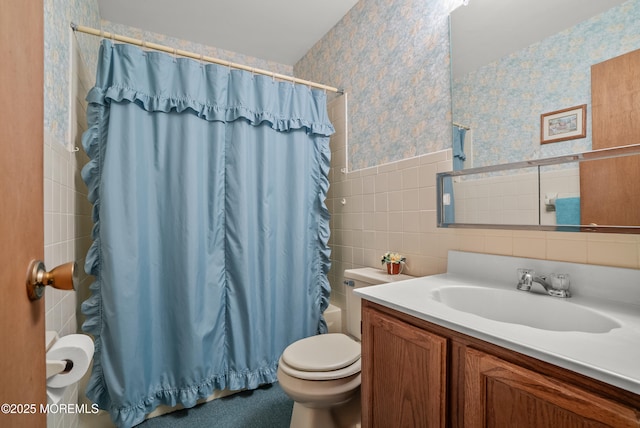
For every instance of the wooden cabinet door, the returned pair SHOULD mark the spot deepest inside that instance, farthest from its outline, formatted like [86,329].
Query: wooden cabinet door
[610,188]
[504,395]
[403,374]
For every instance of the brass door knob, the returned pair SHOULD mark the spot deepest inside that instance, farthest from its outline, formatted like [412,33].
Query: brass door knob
[62,277]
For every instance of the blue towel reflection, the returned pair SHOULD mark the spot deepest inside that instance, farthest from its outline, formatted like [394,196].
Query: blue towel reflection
[568,211]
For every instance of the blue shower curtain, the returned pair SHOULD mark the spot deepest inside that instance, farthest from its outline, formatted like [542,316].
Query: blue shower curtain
[210,230]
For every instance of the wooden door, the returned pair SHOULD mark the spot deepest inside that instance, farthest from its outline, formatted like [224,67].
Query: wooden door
[22,362]
[610,188]
[504,395]
[403,374]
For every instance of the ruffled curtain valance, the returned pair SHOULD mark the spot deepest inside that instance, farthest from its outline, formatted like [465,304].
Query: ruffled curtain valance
[161,83]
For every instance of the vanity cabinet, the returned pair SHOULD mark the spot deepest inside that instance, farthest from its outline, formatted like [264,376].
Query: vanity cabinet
[502,394]
[418,374]
[403,374]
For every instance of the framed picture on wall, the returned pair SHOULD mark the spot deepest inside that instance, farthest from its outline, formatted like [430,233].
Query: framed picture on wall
[562,125]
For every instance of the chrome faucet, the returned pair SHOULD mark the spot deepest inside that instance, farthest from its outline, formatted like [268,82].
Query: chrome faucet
[556,285]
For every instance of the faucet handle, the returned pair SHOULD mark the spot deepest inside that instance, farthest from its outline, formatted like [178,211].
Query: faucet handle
[525,278]
[522,272]
[560,281]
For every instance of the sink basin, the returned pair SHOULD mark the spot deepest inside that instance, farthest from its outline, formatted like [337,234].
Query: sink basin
[519,307]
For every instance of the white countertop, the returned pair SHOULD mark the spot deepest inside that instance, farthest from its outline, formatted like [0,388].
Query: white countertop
[612,357]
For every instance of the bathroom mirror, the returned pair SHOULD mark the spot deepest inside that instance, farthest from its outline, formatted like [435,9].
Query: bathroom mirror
[513,62]
[540,194]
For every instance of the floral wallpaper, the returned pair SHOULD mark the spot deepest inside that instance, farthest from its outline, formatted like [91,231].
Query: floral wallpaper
[392,57]
[58,16]
[502,102]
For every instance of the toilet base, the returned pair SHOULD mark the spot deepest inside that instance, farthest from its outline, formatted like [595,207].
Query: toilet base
[345,415]
[309,417]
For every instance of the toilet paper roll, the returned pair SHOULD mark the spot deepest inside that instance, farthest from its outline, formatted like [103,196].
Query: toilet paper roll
[77,348]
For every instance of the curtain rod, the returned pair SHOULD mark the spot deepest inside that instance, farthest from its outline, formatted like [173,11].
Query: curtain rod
[461,126]
[157,47]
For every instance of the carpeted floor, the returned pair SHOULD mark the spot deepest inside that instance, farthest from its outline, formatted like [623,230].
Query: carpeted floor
[265,407]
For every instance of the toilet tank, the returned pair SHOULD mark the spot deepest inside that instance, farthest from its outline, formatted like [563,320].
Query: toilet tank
[363,277]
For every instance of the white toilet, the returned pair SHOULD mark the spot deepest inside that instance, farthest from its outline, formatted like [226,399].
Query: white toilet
[321,373]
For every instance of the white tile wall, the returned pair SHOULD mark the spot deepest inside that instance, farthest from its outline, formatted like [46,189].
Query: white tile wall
[67,226]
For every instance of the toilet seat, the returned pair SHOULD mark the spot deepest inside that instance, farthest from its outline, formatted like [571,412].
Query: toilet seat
[345,372]
[322,357]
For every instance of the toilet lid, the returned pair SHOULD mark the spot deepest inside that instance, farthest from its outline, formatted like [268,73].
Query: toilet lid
[322,353]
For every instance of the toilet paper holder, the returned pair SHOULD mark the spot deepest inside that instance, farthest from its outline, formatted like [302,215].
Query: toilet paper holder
[55,367]
[68,359]
[61,277]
